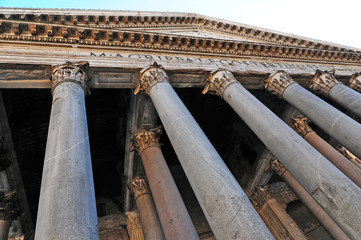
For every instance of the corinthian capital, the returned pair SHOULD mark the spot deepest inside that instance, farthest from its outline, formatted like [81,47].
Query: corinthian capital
[70,72]
[300,125]
[278,82]
[139,186]
[9,206]
[217,81]
[146,138]
[277,167]
[323,81]
[355,82]
[261,195]
[150,76]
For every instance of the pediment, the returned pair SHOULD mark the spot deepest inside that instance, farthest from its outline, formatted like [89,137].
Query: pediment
[158,31]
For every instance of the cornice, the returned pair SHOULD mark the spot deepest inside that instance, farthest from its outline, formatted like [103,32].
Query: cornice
[56,33]
[129,19]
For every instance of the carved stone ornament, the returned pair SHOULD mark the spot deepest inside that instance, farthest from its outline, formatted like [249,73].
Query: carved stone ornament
[261,195]
[300,125]
[146,138]
[70,72]
[355,82]
[9,206]
[278,82]
[139,186]
[323,81]
[349,155]
[134,227]
[276,167]
[5,162]
[150,76]
[217,81]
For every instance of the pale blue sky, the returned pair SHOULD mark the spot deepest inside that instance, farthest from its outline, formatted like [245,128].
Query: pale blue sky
[333,21]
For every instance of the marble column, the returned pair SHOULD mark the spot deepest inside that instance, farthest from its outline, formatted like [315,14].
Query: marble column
[9,211]
[227,208]
[331,227]
[325,83]
[335,123]
[275,216]
[172,212]
[300,125]
[67,208]
[331,188]
[148,215]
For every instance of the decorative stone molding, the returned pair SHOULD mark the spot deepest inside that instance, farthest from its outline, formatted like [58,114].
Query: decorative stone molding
[70,72]
[323,81]
[9,206]
[139,186]
[5,162]
[355,82]
[277,83]
[261,195]
[217,81]
[146,138]
[103,35]
[277,167]
[150,76]
[300,125]
[134,227]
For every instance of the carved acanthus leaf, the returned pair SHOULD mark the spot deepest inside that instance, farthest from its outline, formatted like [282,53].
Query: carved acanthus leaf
[9,206]
[277,83]
[300,125]
[277,167]
[217,81]
[139,186]
[323,81]
[70,72]
[150,76]
[146,138]
[261,195]
[355,82]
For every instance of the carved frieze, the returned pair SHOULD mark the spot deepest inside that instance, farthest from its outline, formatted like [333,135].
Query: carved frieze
[217,81]
[150,76]
[139,186]
[277,83]
[70,72]
[355,82]
[300,125]
[323,81]
[146,138]
[276,167]
[9,206]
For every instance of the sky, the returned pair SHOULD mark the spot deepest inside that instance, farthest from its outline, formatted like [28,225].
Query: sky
[331,21]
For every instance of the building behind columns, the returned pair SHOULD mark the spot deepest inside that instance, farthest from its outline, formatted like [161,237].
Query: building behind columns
[117,45]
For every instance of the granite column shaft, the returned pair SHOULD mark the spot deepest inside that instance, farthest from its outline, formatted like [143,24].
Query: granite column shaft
[226,207]
[67,208]
[318,176]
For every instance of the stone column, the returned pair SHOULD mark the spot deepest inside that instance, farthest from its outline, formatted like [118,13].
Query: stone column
[331,227]
[67,207]
[275,216]
[325,83]
[331,188]
[338,125]
[134,227]
[9,211]
[172,212]
[147,213]
[300,125]
[227,208]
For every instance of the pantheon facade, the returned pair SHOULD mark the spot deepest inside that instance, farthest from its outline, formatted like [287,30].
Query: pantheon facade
[153,125]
